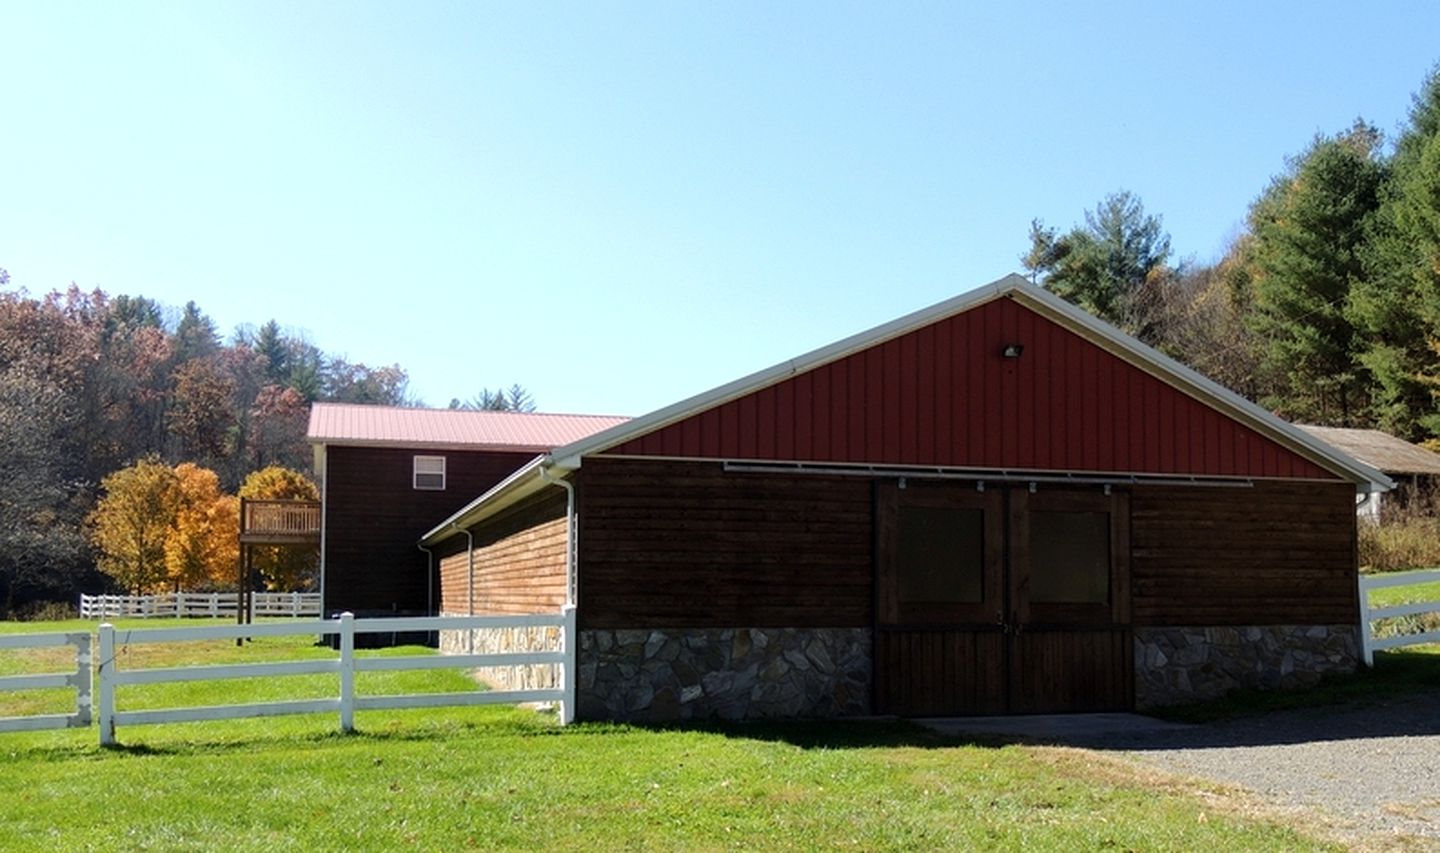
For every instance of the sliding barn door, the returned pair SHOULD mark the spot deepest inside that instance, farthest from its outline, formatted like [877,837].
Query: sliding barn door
[1001,601]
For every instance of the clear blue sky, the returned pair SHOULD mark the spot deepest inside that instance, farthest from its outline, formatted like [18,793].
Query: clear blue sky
[618,205]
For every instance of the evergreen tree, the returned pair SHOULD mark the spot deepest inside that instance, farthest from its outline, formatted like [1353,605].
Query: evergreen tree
[1114,267]
[1309,233]
[1398,304]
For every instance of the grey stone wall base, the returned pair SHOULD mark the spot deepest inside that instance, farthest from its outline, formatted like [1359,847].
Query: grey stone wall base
[1190,664]
[723,673]
[487,641]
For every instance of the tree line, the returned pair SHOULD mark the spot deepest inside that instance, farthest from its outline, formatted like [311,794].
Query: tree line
[90,384]
[1325,309]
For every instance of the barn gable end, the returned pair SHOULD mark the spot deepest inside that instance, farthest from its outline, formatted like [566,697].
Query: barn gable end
[946,395]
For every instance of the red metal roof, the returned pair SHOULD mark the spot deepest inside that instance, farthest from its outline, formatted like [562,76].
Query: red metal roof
[388,426]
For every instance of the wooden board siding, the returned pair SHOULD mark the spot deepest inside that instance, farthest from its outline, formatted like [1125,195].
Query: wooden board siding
[374,516]
[944,395]
[666,544]
[519,561]
[1276,554]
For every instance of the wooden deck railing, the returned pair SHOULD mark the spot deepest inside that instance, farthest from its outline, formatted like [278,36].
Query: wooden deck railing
[279,520]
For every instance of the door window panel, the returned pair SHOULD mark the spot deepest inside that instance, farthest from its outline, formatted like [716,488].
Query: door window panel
[1070,557]
[941,555]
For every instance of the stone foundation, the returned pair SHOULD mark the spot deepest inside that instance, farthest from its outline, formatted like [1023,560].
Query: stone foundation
[1178,665]
[486,641]
[729,673]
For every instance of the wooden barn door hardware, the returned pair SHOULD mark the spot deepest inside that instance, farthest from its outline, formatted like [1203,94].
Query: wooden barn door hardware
[1006,599]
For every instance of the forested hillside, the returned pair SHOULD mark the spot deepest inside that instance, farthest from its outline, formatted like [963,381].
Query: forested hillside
[91,383]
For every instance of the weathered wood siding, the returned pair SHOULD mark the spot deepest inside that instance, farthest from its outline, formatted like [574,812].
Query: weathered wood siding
[945,395]
[374,516]
[666,544]
[1281,553]
[519,561]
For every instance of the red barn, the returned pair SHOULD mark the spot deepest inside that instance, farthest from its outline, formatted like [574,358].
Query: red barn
[998,504]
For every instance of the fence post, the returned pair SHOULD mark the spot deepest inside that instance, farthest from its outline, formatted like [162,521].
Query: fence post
[83,661]
[295,605]
[571,648]
[1367,653]
[107,684]
[347,672]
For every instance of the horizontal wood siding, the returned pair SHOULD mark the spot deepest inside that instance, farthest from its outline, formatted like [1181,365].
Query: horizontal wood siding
[374,516]
[519,562]
[666,544]
[945,395]
[1276,554]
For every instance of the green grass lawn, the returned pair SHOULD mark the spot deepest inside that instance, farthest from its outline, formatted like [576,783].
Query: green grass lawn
[1392,595]
[505,777]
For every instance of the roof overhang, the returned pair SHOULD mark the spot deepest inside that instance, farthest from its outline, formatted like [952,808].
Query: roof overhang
[453,446]
[529,479]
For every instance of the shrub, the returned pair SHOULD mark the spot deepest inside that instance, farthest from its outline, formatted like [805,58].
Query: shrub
[1403,541]
[47,611]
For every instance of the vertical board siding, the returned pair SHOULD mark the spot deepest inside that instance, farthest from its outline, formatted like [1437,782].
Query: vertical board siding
[944,395]
[519,562]
[374,516]
[1276,554]
[686,545]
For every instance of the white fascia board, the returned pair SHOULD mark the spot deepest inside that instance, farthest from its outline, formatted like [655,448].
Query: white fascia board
[525,481]
[1366,477]
[571,454]
[448,446]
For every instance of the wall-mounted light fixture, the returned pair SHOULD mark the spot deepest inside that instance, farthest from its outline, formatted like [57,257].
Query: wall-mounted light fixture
[1013,350]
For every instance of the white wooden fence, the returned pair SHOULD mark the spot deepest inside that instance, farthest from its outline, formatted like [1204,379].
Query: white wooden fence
[1369,643]
[79,678]
[201,604]
[110,676]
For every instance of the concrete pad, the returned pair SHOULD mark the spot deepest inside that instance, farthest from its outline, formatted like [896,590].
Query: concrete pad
[1056,728]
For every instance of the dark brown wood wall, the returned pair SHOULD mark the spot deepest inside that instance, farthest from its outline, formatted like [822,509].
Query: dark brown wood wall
[687,545]
[683,544]
[519,561]
[374,516]
[1280,553]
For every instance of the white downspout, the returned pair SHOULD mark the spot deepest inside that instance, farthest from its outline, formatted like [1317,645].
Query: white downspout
[572,534]
[429,582]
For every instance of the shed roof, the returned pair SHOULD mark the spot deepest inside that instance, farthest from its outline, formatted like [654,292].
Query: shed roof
[391,426]
[1378,449]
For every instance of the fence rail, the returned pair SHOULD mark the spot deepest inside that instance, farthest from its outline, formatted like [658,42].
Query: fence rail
[347,702]
[1369,643]
[79,678]
[198,604]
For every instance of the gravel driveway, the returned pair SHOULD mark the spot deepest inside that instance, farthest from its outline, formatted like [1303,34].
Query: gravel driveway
[1374,770]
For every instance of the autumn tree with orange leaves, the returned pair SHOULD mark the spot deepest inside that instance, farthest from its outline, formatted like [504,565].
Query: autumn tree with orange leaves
[203,547]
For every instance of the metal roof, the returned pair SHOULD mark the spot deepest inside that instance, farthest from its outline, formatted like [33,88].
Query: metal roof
[1379,449]
[390,426]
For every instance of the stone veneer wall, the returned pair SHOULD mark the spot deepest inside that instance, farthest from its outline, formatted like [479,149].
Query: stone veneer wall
[728,673]
[498,640]
[1177,665]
